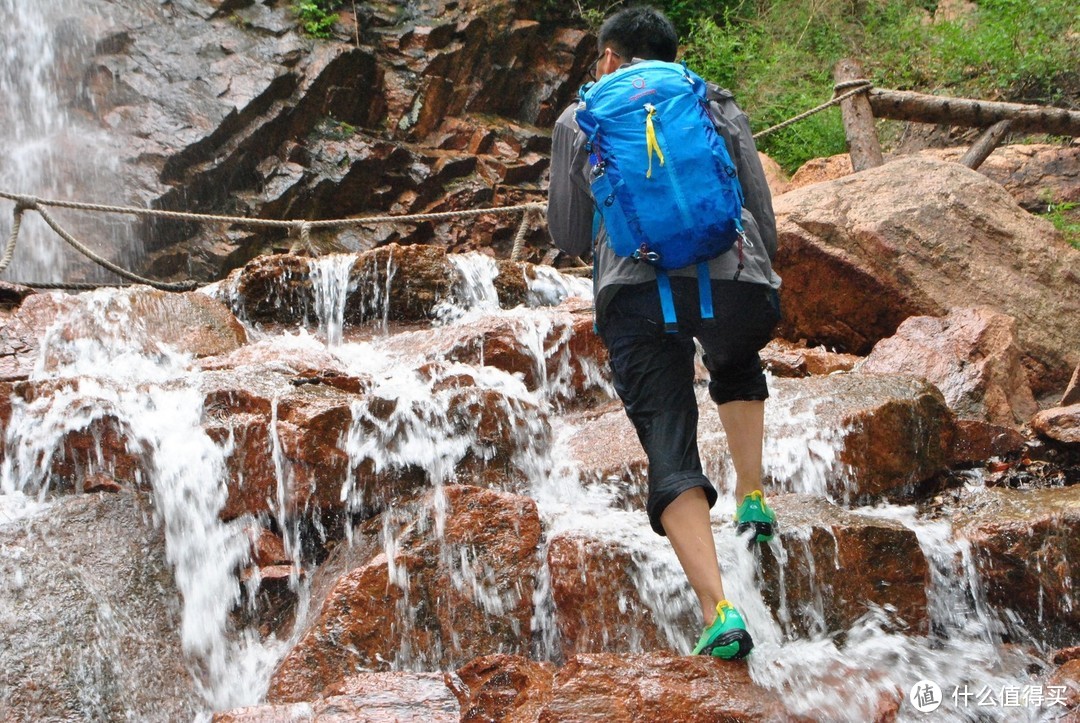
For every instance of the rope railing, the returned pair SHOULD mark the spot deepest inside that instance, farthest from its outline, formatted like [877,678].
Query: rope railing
[300,228]
[858,86]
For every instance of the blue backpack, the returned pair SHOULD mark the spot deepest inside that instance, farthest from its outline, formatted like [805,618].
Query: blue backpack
[662,179]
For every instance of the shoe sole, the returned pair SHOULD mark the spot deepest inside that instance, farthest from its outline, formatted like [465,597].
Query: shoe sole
[763,531]
[739,638]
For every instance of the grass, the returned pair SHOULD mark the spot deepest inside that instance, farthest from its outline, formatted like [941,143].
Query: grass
[1066,218]
[777,56]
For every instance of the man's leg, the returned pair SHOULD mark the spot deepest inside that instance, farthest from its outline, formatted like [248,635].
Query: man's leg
[744,425]
[686,521]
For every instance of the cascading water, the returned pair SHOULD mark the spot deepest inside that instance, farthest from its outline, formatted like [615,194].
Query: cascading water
[403,422]
[44,150]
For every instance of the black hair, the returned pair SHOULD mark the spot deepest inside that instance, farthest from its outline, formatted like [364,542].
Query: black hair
[640,32]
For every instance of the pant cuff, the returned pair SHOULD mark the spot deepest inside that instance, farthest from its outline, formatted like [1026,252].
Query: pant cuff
[663,492]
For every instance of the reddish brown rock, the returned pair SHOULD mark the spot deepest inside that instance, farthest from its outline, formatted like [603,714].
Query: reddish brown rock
[148,321]
[587,574]
[1061,424]
[1066,681]
[787,359]
[658,687]
[1026,546]
[839,564]
[1035,174]
[398,696]
[774,175]
[919,237]
[872,437]
[23,327]
[970,355]
[507,688]
[1072,392]
[267,548]
[976,442]
[818,170]
[101,483]
[444,601]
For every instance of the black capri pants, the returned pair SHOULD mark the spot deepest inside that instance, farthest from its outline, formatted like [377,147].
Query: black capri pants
[654,371]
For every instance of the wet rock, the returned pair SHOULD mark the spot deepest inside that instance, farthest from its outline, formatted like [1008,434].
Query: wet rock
[976,442]
[856,438]
[658,686]
[786,359]
[587,576]
[396,696]
[970,355]
[424,598]
[555,352]
[861,254]
[503,687]
[147,321]
[92,616]
[23,327]
[1025,546]
[392,283]
[91,442]
[1061,424]
[837,565]
[1064,686]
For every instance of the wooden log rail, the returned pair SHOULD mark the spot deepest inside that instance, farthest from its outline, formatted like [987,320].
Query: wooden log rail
[909,106]
[998,118]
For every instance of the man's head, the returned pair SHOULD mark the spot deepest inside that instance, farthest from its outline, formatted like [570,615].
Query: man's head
[639,32]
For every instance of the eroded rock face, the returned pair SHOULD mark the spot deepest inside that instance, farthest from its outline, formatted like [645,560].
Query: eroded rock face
[503,687]
[443,592]
[1025,547]
[840,564]
[970,355]
[367,696]
[587,574]
[92,616]
[228,108]
[657,686]
[916,236]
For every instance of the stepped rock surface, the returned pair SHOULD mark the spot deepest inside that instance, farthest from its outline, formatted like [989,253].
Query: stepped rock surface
[364,475]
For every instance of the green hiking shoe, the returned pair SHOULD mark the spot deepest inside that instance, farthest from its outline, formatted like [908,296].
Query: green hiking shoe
[754,514]
[727,637]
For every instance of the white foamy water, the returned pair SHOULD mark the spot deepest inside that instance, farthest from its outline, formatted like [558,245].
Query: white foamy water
[150,396]
[409,420]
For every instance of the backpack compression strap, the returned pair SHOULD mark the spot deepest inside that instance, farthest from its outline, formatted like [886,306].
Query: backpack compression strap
[667,301]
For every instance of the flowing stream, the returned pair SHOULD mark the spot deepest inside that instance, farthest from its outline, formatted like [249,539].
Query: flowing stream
[109,377]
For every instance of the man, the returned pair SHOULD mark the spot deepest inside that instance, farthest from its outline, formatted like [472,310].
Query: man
[654,371]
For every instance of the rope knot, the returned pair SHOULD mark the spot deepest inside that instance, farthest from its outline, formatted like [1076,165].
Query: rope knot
[23,203]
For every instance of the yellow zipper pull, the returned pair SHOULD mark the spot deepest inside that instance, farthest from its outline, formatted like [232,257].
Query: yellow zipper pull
[651,144]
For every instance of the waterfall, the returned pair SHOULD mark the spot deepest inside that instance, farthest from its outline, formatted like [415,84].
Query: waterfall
[45,150]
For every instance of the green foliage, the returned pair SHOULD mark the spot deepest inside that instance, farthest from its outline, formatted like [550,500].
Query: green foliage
[317,17]
[777,56]
[1066,218]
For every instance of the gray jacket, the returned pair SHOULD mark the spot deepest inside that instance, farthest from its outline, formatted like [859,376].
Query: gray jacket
[570,207]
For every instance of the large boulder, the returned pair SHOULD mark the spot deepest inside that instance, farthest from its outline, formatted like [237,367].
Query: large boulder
[918,236]
[91,616]
[970,355]
[429,585]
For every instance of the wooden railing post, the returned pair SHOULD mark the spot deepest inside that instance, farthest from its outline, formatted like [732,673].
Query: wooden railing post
[858,118]
[988,141]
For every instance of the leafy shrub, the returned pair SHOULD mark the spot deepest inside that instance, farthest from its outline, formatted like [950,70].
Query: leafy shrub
[317,17]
